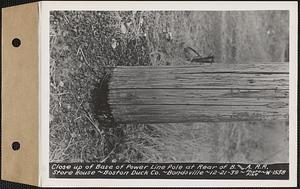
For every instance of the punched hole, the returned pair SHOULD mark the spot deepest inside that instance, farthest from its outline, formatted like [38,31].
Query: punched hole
[15,146]
[16,42]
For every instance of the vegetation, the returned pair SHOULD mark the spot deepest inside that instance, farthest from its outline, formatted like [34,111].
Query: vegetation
[85,45]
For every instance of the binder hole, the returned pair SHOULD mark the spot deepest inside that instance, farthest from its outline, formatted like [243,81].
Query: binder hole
[15,146]
[16,42]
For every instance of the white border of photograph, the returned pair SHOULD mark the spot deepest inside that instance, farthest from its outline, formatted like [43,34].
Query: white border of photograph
[46,7]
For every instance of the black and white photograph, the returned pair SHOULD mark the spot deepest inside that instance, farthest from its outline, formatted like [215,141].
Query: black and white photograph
[151,90]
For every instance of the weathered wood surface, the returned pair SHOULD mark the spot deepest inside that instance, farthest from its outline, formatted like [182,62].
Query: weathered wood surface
[203,93]
[201,81]
[198,97]
[271,67]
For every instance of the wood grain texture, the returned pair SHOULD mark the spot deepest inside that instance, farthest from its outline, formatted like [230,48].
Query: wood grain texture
[197,97]
[216,92]
[201,81]
[195,113]
[267,67]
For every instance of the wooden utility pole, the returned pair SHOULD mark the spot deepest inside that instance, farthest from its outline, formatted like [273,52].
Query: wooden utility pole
[202,93]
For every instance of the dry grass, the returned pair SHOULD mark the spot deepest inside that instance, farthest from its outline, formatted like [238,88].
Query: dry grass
[85,44]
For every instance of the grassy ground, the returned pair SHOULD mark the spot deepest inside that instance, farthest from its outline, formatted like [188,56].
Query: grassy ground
[85,44]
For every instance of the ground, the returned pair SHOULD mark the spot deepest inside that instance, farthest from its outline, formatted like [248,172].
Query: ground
[85,44]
